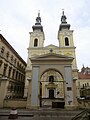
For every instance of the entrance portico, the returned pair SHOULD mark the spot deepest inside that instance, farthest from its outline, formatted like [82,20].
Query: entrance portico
[51,81]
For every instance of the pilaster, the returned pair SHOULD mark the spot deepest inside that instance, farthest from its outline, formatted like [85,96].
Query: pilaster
[3,89]
[35,87]
[69,100]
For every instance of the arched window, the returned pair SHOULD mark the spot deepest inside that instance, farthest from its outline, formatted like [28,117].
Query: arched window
[35,42]
[66,41]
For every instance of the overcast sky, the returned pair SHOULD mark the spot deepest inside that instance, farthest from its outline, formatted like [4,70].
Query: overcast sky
[18,16]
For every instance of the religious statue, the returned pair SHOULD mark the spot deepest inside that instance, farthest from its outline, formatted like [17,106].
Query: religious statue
[38,19]
[63,18]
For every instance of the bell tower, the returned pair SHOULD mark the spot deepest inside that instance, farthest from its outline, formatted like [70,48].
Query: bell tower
[35,47]
[37,36]
[65,35]
[65,38]
[67,48]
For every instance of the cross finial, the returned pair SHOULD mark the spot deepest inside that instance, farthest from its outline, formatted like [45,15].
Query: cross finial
[62,11]
[38,13]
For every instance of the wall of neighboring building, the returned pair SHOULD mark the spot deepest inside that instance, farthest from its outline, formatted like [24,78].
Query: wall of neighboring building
[83,83]
[83,88]
[12,72]
[18,103]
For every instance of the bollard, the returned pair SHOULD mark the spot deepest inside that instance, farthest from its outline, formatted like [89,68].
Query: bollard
[13,114]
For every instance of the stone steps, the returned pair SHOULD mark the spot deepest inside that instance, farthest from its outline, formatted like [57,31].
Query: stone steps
[41,114]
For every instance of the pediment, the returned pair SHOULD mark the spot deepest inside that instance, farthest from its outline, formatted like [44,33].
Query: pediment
[51,56]
[51,46]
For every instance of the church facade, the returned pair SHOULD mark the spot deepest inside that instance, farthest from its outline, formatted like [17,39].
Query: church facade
[51,71]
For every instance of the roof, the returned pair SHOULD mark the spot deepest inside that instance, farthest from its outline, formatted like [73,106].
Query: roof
[83,76]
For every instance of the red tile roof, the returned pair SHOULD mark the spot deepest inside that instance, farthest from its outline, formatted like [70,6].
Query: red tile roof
[83,76]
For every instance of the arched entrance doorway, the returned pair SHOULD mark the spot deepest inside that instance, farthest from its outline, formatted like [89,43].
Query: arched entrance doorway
[52,89]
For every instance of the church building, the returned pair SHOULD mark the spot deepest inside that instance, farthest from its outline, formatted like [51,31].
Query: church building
[51,71]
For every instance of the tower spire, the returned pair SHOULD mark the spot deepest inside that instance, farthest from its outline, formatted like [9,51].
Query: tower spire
[38,25]
[63,24]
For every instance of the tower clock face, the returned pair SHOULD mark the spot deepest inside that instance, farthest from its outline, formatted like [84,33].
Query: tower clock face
[35,34]
[66,33]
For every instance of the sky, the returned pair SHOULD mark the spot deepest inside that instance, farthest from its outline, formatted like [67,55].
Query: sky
[18,16]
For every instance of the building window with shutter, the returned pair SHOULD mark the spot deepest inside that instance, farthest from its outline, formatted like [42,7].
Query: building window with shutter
[2,50]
